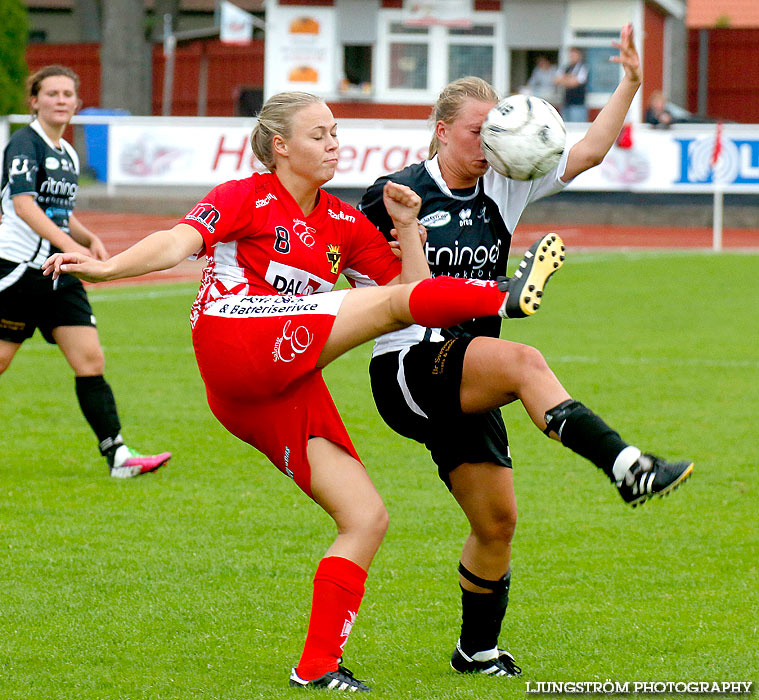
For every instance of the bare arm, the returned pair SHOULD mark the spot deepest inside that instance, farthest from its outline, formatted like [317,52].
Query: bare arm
[82,235]
[32,215]
[603,132]
[158,251]
[403,205]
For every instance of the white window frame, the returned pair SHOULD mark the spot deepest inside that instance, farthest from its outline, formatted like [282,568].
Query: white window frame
[438,40]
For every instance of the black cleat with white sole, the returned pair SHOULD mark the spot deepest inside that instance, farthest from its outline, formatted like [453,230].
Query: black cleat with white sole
[342,679]
[525,287]
[651,476]
[500,663]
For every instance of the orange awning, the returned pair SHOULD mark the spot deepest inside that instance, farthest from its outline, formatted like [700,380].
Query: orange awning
[733,14]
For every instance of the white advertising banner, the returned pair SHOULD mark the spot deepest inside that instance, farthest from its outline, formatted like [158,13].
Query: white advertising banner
[300,49]
[203,153]
[198,155]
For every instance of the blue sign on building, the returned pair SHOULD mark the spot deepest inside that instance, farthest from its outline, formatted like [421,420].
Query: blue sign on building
[738,162]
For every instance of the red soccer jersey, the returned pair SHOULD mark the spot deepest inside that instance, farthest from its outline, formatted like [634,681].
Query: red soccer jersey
[257,241]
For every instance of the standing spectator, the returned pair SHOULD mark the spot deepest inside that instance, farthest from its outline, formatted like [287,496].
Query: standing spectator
[267,321]
[542,82]
[574,79]
[657,113]
[39,187]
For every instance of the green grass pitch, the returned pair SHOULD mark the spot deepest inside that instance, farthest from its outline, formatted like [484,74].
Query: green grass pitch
[194,583]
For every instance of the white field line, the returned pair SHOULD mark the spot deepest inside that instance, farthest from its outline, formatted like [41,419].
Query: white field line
[126,294]
[584,255]
[185,349]
[655,361]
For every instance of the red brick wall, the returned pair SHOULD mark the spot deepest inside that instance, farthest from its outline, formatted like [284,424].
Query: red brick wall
[230,68]
[83,59]
[733,76]
[653,56]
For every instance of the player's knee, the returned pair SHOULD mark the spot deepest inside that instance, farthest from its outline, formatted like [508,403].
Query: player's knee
[5,362]
[90,363]
[369,521]
[498,526]
[522,364]
[377,522]
[531,360]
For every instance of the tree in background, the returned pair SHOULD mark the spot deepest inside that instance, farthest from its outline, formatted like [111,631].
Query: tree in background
[125,58]
[14,30]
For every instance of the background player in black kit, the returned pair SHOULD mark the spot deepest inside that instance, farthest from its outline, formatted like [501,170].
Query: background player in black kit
[39,186]
[444,389]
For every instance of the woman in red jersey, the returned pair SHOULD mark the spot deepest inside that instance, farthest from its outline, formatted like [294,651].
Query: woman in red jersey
[267,321]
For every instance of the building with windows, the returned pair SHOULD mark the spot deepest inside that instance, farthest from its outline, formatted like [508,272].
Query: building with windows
[389,58]
[396,55]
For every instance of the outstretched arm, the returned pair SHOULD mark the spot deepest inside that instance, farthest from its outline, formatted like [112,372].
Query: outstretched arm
[403,204]
[158,251]
[603,132]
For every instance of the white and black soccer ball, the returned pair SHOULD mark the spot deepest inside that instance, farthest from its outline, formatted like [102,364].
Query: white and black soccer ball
[523,137]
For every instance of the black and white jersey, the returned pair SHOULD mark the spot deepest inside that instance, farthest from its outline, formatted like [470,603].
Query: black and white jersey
[468,232]
[33,165]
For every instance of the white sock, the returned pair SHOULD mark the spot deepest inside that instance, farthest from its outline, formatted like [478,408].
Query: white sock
[121,455]
[625,459]
[487,655]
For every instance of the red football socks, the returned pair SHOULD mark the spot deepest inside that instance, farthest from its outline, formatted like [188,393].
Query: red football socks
[441,302]
[338,590]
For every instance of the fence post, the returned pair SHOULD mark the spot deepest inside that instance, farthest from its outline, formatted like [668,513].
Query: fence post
[5,132]
[719,197]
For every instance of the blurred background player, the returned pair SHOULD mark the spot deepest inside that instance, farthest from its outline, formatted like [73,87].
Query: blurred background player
[266,321]
[444,389]
[39,187]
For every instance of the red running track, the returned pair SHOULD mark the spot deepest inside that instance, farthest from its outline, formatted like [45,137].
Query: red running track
[119,231]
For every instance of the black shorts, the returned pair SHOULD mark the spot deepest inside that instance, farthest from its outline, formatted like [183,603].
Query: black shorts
[28,301]
[417,393]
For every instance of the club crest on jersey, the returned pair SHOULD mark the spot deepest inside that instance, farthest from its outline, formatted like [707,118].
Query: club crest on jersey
[206,214]
[333,255]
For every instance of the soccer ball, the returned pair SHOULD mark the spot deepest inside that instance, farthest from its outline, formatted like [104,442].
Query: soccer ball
[523,137]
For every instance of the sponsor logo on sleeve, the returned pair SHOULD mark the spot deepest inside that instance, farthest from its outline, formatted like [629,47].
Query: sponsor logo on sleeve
[20,167]
[206,214]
